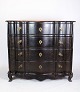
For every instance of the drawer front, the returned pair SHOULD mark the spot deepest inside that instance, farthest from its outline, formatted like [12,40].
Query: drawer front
[64,55]
[41,41]
[59,28]
[35,67]
[41,28]
[64,42]
[20,55]
[21,42]
[63,28]
[62,67]
[41,55]
[20,66]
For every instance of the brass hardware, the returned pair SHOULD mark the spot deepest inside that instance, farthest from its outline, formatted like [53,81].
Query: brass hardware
[40,54]
[19,28]
[20,54]
[20,41]
[20,66]
[60,54]
[40,29]
[60,42]
[40,66]
[60,66]
[60,29]
[40,41]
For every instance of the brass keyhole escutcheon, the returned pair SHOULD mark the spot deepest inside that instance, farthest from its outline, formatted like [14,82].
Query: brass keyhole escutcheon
[60,66]
[20,41]
[19,28]
[20,54]
[40,41]
[60,28]
[40,29]
[20,66]
[40,66]
[60,54]
[60,42]
[40,54]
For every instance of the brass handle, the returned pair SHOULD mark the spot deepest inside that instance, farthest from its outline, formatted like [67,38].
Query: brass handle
[60,66]
[20,54]
[40,66]
[60,54]
[19,28]
[60,29]
[60,42]
[40,29]
[20,41]
[40,54]
[40,41]
[20,66]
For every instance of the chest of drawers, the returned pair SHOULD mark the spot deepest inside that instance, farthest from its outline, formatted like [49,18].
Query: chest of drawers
[40,49]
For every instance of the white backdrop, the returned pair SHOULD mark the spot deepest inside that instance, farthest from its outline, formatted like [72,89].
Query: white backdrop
[39,10]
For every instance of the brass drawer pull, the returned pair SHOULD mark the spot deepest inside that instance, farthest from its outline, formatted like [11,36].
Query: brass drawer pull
[20,54]
[60,28]
[20,66]
[40,54]
[20,41]
[60,66]
[19,28]
[40,41]
[60,42]
[40,29]
[40,66]
[60,54]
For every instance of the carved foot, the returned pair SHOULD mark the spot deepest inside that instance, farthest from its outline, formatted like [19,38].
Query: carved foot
[10,76]
[70,76]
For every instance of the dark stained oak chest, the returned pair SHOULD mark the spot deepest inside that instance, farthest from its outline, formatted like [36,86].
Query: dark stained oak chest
[40,49]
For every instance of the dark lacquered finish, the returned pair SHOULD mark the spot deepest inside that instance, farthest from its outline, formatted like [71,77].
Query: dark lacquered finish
[40,49]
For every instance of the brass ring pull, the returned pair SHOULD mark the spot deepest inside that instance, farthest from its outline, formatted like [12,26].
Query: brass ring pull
[40,41]
[20,54]
[20,66]
[19,28]
[20,41]
[40,66]
[40,54]
[60,42]
[60,66]
[60,54]
[40,29]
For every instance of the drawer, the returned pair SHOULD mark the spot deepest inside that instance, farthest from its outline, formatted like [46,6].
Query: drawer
[20,55]
[36,67]
[63,28]
[42,55]
[17,42]
[21,42]
[20,66]
[63,67]
[41,41]
[38,28]
[64,42]
[64,55]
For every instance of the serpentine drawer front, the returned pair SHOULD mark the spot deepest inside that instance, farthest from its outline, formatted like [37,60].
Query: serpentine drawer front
[40,49]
